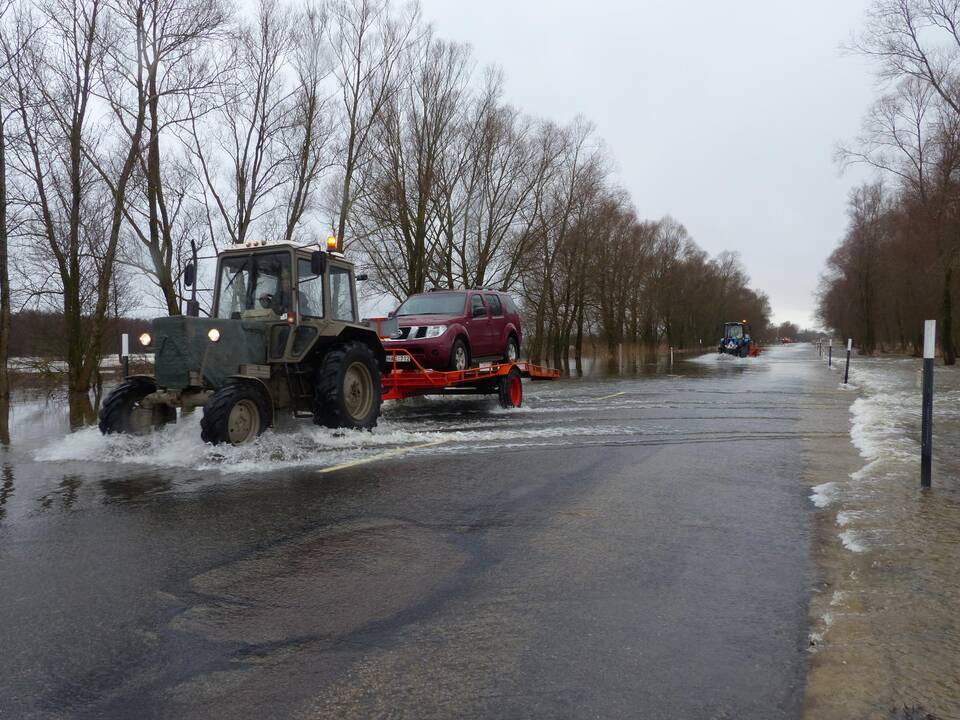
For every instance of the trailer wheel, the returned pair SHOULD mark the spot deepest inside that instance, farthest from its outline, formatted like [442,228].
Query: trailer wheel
[236,414]
[511,389]
[116,413]
[347,390]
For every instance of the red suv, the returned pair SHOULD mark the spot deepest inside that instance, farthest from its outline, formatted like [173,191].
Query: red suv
[450,329]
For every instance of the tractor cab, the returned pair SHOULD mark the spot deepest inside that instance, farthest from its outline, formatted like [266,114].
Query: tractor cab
[736,340]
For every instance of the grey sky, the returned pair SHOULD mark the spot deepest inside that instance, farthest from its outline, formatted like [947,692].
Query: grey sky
[722,114]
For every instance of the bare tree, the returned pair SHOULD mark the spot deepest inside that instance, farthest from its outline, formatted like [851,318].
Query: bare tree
[237,145]
[72,221]
[5,310]
[308,134]
[415,131]
[368,40]
[169,37]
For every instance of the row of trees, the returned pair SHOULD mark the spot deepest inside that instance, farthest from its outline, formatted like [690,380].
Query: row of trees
[133,127]
[896,264]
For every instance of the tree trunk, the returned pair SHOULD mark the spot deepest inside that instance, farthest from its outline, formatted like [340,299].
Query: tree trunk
[946,334]
[4,273]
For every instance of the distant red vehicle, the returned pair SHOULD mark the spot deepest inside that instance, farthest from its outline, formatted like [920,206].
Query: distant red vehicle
[451,329]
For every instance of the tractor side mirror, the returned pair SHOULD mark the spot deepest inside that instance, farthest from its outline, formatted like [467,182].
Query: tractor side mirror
[193,308]
[189,274]
[392,313]
[318,262]
[362,276]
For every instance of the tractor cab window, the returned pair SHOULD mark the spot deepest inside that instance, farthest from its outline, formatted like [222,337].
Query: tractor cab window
[311,290]
[341,295]
[254,283]
[734,331]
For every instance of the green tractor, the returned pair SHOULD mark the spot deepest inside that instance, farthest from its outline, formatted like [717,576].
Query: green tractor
[284,335]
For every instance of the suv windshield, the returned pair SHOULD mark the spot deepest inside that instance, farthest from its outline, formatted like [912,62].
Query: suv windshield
[450,303]
[249,282]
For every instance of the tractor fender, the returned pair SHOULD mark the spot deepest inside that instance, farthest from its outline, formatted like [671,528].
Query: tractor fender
[370,338]
[257,381]
[151,378]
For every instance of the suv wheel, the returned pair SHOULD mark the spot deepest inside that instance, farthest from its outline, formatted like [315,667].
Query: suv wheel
[459,355]
[512,352]
[347,390]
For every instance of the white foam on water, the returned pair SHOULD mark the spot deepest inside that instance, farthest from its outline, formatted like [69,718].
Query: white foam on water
[852,541]
[714,358]
[307,445]
[823,495]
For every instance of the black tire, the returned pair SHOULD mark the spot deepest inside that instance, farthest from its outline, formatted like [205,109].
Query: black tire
[744,350]
[347,389]
[116,411]
[235,414]
[456,359]
[511,343]
[511,389]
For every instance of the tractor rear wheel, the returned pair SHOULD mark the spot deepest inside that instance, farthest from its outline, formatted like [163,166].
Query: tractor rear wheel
[236,414]
[347,389]
[116,413]
[511,389]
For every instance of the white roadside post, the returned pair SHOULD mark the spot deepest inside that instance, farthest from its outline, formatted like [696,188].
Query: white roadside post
[125,353]
[926,429]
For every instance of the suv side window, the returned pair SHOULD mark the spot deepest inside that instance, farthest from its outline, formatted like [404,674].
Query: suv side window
[511,307]
[476,301]
[493,302]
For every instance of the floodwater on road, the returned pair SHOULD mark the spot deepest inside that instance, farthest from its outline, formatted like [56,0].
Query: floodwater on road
[620,546]
[888,629]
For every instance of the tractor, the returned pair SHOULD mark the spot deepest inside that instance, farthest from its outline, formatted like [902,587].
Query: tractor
[283,335]
[737,341]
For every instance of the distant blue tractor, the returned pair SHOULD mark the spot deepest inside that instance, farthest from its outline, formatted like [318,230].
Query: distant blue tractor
[737,341]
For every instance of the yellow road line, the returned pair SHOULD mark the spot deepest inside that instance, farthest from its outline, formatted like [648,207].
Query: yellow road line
[607,397]
[382,456]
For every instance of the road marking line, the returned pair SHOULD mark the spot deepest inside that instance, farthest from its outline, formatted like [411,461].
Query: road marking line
[607,397]
[381,456]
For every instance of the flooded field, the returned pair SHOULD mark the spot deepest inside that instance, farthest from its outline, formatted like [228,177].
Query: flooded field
[887,630]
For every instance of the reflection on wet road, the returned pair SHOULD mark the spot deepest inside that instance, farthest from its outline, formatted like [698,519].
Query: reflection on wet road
[619,547]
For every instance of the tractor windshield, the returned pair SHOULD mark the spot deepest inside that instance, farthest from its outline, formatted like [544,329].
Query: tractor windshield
[434,304]
[254,282]
[734,331]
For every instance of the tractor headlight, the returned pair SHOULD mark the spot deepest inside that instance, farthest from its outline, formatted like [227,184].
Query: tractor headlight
[213,334]
[435,330]
[145,339]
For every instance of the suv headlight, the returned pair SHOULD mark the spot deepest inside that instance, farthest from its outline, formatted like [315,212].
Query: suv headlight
[435,330]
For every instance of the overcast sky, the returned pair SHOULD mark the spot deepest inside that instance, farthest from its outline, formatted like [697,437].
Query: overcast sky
[722,114]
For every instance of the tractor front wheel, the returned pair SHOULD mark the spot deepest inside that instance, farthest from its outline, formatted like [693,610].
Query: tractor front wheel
[347,389]
[117,414]
[236,414]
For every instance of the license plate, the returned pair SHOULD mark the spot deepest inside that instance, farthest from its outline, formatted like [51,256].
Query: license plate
[401,358]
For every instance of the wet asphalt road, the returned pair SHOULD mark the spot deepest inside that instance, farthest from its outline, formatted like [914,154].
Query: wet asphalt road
[618,548]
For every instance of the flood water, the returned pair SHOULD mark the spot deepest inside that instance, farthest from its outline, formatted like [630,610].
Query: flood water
[173,513]
[892,627]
